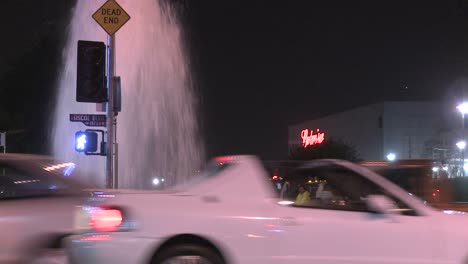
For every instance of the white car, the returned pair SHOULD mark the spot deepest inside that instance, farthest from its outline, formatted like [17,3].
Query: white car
[38,196]
[240,212]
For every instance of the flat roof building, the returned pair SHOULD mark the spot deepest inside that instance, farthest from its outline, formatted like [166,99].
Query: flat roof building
[377,131]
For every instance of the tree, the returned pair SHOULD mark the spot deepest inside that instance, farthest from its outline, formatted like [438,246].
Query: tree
[329,149]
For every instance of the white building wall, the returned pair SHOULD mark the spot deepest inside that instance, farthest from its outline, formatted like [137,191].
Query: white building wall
[379,129]
[358,127]
[407,126]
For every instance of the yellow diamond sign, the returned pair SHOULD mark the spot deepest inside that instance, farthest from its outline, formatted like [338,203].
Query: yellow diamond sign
[111,17]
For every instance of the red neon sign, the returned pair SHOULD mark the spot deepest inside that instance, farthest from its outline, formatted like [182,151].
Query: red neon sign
[312,139]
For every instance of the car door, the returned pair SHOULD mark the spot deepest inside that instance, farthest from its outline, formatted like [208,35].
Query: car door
[28,211]
[343,230]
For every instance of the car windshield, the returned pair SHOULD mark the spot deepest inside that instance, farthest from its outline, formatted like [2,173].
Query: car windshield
[409,179]
[327,186]
[212,168]
[418,182]
[278,174]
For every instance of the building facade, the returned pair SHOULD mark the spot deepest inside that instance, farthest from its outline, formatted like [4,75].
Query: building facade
[378,131]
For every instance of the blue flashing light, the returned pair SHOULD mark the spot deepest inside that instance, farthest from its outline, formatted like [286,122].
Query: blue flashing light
[86,141]
[81,142]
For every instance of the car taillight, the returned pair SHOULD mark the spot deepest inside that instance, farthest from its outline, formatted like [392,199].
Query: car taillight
[106,219]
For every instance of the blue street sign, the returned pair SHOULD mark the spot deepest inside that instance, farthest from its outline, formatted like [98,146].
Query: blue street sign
[89,119]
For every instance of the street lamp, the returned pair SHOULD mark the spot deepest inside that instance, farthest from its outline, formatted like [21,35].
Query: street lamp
[461,146]
[391,156]
[156,181]
[463,108]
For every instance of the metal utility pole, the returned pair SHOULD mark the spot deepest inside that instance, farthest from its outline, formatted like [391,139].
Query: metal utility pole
[3,141]
[111,17]
[110,112]
[464,140]
[463,163]
[409,147]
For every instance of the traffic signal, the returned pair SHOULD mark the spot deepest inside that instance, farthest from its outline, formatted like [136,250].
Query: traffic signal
[86,141]
[91,76]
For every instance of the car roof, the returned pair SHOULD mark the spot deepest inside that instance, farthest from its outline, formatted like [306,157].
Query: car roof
[304,164]
[22,157]
[403,163]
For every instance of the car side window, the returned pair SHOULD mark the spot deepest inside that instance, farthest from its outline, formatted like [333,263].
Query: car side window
[16,183]
[337,188]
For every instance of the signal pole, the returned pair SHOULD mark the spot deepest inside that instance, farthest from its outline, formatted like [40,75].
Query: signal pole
[110,112]
[3,141]
[111,17]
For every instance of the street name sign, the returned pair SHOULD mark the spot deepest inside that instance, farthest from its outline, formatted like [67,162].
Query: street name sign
[89,119]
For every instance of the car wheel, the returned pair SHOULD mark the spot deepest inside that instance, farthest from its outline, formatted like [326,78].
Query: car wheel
[187,254]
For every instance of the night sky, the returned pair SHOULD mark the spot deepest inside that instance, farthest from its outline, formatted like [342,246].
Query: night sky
[259,66]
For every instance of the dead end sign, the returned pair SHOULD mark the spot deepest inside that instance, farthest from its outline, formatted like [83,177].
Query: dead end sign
[111,17]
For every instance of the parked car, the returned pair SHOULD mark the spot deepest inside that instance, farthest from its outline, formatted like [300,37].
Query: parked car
[38,196]
[237,212]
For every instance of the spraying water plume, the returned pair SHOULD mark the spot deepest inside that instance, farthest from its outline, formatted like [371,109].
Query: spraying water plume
[157,129]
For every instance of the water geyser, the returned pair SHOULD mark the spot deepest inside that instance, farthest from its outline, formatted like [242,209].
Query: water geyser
[157,129]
